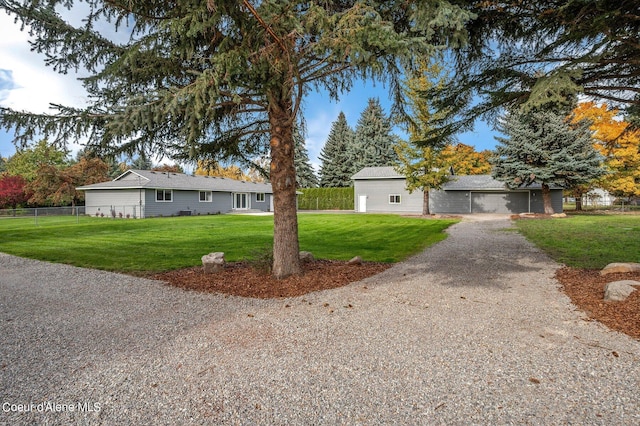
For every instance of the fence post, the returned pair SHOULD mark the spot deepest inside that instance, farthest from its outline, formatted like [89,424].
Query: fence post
[36,216]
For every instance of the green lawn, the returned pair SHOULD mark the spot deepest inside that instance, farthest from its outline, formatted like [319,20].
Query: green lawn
[160,244]
[586,241]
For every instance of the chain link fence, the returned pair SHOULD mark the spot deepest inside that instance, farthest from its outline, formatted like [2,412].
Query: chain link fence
[47,215]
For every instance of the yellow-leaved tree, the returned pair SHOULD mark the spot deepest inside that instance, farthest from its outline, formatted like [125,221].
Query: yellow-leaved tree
[618,143]
[465,160]
[213,168]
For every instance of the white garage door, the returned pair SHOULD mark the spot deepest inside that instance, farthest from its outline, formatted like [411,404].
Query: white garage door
[499,202]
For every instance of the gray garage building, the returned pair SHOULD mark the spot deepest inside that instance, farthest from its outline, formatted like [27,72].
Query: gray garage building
[382,189]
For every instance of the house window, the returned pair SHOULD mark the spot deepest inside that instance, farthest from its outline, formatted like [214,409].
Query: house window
[394,199]
[164,195]
[205,197]
[260,197]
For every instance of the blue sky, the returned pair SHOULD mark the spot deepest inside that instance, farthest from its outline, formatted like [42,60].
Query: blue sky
[26,84]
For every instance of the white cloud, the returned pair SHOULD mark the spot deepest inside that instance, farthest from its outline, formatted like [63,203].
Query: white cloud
[34,86]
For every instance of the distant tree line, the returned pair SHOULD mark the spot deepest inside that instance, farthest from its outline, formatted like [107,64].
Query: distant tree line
[45,176]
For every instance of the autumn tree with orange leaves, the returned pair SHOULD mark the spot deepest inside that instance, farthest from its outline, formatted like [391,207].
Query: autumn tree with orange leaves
[57,187]
[465,160]
[618,143]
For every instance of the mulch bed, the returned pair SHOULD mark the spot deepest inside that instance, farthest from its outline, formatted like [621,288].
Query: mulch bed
[585,288]
[240,279]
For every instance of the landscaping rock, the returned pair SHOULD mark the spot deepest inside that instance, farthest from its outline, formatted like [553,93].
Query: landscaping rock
[355,261]
[213,262]
[614,268]
[617,291]
[306,256]
[559,215]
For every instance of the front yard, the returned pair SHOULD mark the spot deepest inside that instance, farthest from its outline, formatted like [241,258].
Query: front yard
[163,244]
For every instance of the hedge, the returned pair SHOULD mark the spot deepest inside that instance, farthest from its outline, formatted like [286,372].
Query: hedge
[325,199]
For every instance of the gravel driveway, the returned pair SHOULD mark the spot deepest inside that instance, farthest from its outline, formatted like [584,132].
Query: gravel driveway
[472,331]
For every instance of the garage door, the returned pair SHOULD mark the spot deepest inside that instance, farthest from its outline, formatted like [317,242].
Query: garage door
[499,202]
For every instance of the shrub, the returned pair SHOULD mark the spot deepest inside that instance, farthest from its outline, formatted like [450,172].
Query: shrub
[261,258]
[326,199]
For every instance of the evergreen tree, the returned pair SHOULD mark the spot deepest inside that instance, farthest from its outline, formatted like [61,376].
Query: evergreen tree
[335,170]
[373,142]
[534,51]
[142,162]
[542,146]
[221,79]
[305,176]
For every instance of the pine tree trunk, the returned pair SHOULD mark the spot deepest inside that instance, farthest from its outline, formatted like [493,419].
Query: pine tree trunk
[546,199]
[286,253]
[425,202]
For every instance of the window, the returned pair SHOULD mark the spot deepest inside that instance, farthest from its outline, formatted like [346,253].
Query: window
[260,197]
[394,199]
[164,195]
[205,196]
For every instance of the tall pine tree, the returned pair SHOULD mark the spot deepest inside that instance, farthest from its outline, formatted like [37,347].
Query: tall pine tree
[373,142]
[305,176]
[335,171]
[221,79]
[543,147]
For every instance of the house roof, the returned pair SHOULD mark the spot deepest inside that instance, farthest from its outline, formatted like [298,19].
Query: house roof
[140,179]
[474,182]
[486,183]
[377,173]
[457,182]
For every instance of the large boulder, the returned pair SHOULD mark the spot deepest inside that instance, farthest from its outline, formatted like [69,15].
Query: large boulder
[213,262]
[618,291]
[614,268]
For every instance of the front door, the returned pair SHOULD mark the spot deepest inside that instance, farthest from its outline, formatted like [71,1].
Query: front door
[241,201]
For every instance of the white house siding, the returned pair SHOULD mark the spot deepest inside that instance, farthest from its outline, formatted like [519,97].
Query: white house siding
[377,192]
[597,197]
[115,202]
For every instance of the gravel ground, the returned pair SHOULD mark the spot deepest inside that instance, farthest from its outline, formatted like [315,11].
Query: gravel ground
[472,331]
